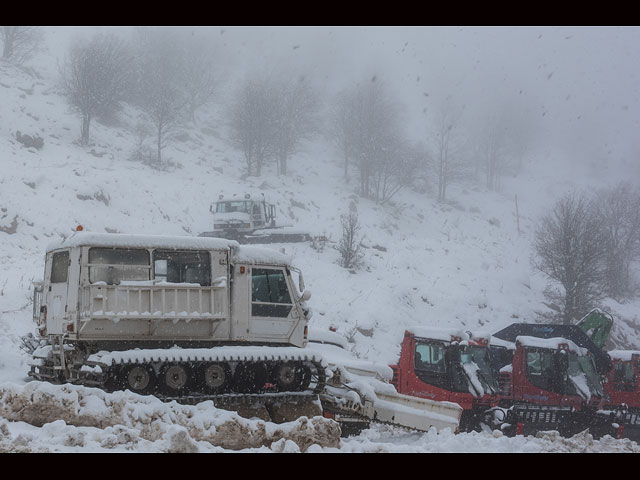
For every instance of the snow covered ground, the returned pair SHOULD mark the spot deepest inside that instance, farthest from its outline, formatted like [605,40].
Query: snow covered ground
[460,264]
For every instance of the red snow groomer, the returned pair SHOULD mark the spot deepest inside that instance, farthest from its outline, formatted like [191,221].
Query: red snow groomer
[551,378]
[622,392]
[448,365]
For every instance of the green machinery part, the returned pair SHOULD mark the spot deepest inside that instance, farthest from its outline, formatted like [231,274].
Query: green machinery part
[597,324]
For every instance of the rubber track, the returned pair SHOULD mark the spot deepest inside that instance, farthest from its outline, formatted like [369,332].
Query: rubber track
[107,360]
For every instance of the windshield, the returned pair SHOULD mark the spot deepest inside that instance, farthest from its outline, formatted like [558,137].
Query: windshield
[228,207]
[476,375]
[583,377]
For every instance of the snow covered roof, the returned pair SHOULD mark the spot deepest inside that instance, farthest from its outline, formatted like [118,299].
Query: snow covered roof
[437,333]
[260,255]
[624,355]
[498,342]
[83,238]
[550,343]
[248,195]
[445,334]
[242,254]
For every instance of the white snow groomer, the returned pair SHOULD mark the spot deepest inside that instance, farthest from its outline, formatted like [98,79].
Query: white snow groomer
[192,319]
[249,218]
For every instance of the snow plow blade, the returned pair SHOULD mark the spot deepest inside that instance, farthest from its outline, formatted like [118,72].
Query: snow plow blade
[271,236]
[417,413]
[262,237]
[395,409]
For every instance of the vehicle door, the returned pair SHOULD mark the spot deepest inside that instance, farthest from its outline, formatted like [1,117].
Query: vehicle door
[273,314]
[56,295]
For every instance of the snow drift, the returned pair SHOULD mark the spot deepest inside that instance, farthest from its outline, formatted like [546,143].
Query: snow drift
[125,417]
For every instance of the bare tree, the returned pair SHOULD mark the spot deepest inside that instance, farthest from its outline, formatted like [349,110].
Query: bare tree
[342,128]
[619,208]
[294,118]
[20,43]
[570,247]
[448,147]
[199,76]
[252,116]
[94,76]
[493,148]
[397,168]
[372,135]
[349,245]
[159,83]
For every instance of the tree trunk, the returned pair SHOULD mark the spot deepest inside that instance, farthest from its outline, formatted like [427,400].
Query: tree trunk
[346,166]
[7,50]
[259,159]
[249,162]
[7,38]
[86,122]
[159,145]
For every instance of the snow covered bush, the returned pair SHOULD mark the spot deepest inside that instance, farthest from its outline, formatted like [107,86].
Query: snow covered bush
[349,245]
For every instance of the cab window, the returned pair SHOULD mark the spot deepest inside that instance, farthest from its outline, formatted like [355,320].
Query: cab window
[182,267]
[624,377]
[269,293]
[539,368]
[229,207]
[113,265]
[60,267]
[429,357]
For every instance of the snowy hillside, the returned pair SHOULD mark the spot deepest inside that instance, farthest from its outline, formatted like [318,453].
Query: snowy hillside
[460,264]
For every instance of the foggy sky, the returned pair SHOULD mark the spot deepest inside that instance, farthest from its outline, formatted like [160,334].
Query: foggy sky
[579,84]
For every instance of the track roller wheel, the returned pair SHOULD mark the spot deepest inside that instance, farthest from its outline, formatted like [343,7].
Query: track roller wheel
[288,376]
[215,377]
[138,378]
[250,377]
[174,378]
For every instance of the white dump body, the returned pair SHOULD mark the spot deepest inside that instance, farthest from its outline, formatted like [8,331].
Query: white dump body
[118,287]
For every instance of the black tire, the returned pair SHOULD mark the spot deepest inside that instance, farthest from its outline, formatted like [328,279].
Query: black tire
[291,376]
[214,378]
[175,379]
[249,377]
[139,379]
[286,376]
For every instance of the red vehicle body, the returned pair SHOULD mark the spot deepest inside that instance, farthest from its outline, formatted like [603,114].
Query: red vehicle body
[551,384]
[445,365]
[525,378]
[622,384]
[622,392]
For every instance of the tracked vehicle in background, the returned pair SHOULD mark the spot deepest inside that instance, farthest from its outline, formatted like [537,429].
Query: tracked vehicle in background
[249,218]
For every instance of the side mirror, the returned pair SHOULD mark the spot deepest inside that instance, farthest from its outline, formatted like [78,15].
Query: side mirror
[300,281]
[563,361]
[306,295]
